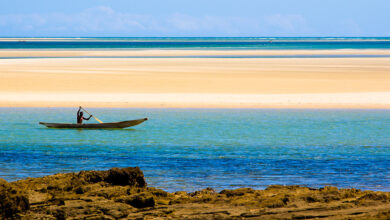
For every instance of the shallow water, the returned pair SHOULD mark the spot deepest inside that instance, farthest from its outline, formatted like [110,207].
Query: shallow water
[190,149]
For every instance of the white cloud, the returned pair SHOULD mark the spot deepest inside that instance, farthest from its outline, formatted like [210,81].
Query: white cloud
[93,20]
[184,23]
[350,27]
[287,23]
[104,21]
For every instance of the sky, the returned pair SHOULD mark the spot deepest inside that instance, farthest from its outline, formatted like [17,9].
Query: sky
[200,18]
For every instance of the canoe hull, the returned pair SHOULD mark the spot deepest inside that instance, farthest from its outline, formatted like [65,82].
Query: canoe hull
[121,124]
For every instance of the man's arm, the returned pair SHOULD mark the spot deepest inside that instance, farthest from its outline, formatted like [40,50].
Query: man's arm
[87,118]
[78,112]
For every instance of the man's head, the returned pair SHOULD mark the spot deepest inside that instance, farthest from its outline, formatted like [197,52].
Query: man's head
[81,113]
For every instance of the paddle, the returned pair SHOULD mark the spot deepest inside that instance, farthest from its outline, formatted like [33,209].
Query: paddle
[91,115]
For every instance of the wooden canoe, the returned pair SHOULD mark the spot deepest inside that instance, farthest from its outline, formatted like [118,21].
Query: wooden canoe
[121,124]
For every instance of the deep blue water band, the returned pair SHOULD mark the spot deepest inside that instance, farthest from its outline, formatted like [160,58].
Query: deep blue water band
[191,44]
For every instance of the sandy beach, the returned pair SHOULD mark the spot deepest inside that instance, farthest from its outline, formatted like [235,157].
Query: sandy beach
[194,82]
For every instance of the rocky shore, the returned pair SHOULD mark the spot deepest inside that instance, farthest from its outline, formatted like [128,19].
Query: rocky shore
[123,194]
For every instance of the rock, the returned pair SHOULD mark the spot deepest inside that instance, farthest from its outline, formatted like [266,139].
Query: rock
[207,191]
[12,200]
[141,200]
[79,190]
[60,214]
[122,194]
[237,192]
[130,176]
[157,192]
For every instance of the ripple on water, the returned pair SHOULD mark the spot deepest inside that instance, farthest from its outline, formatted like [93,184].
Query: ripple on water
[188,149]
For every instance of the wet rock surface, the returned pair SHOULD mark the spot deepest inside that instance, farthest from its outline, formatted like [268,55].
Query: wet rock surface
[13,200]
[123,194]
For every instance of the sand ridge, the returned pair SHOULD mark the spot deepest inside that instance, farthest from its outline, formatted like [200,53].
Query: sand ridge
[176,52]
[196,82]
[193,100]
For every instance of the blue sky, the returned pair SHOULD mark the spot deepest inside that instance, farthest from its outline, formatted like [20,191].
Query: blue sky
[231,18]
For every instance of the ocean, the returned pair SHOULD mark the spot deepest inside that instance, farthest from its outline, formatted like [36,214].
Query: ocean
[191,149]
[202,43]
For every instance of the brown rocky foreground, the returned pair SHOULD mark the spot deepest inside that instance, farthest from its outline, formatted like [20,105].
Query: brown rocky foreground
[123,194]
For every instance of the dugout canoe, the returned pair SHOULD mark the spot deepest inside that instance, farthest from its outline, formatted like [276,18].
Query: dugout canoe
[121,124]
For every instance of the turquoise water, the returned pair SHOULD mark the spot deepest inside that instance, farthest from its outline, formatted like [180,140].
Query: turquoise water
[244,43]
[190,149]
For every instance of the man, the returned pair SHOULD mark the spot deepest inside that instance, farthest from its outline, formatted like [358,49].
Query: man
[80,116]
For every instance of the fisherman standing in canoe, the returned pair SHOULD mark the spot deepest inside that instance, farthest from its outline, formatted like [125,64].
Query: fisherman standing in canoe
[80,116]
